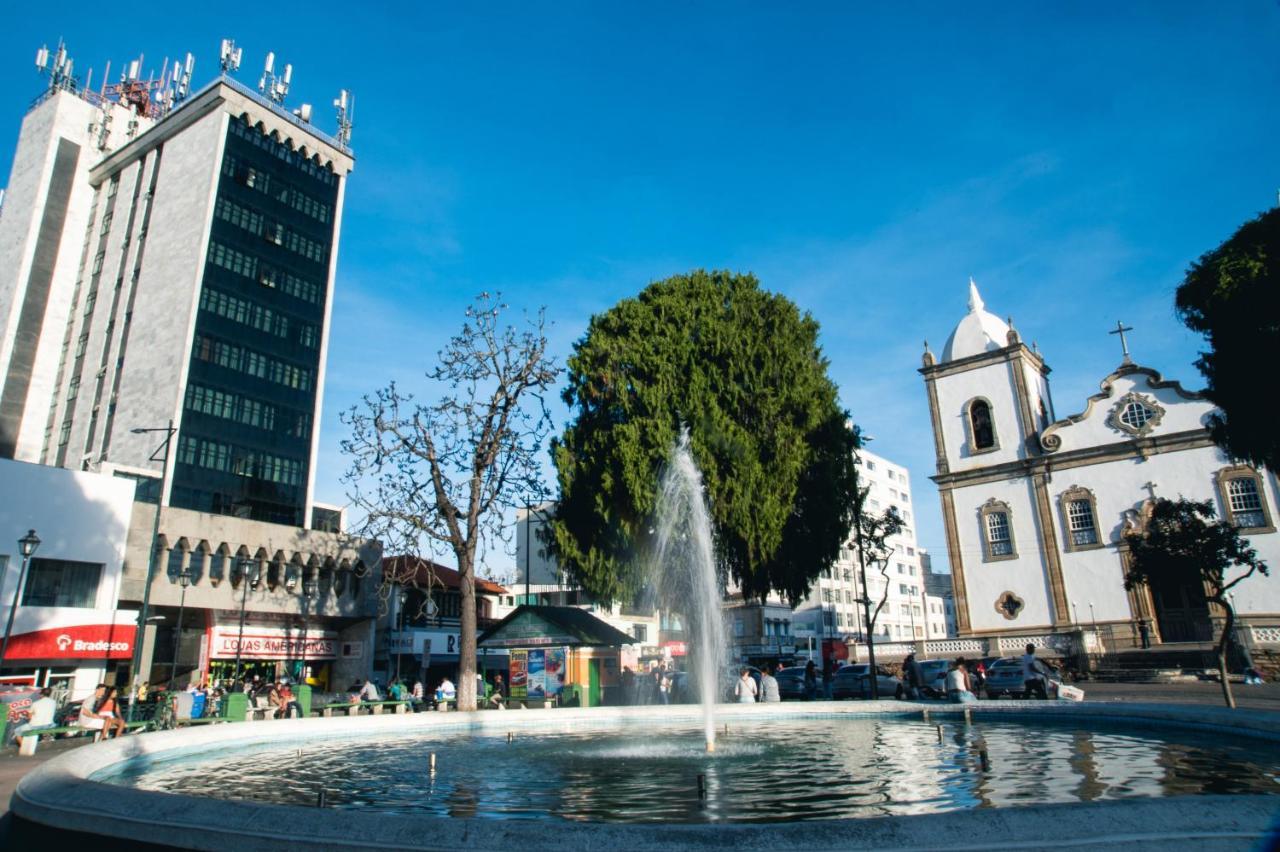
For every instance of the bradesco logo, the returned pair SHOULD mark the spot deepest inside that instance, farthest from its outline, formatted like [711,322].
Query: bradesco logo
[65,642]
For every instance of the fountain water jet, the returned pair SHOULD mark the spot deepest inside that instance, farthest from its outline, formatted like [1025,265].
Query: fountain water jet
[684,572]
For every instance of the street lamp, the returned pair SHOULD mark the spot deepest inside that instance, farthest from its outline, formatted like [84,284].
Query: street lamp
[163,449]
[184,577]
[310,591]
[26,546]
[243,563]
[404,598]
[911,609]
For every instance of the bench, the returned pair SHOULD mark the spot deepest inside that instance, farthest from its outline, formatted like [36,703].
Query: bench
[348,707]
[31,740]
[203,720]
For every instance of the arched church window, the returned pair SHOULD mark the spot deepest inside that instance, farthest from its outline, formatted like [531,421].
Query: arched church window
[1240,487]
[997,531]
[982,432]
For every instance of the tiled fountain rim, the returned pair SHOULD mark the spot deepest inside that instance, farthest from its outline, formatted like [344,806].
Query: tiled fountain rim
[64,794]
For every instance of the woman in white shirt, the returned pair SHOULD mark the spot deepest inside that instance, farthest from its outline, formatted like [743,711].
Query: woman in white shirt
[958,691]
[745,688]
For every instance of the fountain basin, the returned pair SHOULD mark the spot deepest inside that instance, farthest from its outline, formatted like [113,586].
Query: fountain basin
[83,789]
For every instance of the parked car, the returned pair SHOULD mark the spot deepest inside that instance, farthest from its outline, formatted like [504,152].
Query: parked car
[790,682]
[935,677]
[1004,677]
[854,681]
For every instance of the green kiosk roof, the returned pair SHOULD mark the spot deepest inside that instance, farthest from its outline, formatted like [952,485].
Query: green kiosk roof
[536,626]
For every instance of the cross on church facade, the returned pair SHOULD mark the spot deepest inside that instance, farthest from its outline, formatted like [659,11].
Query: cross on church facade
[1120,329]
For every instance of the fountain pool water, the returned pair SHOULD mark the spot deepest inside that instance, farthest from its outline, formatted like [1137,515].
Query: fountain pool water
[684,573]
[765,771]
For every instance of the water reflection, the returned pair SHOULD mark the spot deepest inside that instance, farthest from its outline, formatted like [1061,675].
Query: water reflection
[772,772]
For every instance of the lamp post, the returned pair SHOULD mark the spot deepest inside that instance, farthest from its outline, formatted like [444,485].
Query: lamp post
[310,591]
[244,599]
[26,546]
[401,601]
[184,577]
[163,449]
[911,609]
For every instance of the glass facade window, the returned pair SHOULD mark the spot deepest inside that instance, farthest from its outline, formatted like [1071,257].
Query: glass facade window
[245,440]
[62,582]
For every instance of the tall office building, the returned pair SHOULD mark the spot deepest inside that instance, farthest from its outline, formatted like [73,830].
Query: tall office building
[170,257]
[832,612]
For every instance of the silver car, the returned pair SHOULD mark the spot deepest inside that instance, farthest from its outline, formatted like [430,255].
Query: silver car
[854,682]
[1005,678]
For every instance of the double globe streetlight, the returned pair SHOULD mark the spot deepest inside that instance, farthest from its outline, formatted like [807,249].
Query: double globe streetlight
[26,546]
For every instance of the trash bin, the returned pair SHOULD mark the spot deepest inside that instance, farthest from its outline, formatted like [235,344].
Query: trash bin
[302,693]
[235,706]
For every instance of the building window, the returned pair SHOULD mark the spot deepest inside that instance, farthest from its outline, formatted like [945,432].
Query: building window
[640,632]
[1245,501]
[1080,515]
[62,582]
[982,431]
[997,531]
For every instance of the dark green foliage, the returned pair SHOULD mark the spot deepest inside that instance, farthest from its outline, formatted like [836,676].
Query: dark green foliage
[1183,538]
[741,368]
[1232,297]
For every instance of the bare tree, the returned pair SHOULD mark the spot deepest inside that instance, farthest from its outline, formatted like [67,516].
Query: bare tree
[442,476]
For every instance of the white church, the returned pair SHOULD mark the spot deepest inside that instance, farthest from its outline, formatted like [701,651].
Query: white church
[1037,506]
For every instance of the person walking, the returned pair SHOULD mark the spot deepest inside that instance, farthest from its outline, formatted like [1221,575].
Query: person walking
[913,675]
[1034,675]
[745,688]
[810,681]
[664,684]
[769,693]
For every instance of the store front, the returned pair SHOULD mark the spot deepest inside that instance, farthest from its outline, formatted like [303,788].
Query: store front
[75,655]
[272,652]
[430,655]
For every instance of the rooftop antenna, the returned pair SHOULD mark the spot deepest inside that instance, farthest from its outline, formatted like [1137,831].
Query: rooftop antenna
[58,66]
[272,86]
[230,56]
[346,106]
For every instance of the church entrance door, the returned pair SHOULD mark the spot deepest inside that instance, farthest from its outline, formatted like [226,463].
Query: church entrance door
[1182,611]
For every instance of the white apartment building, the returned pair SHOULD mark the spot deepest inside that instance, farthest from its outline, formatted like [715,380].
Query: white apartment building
[832,613]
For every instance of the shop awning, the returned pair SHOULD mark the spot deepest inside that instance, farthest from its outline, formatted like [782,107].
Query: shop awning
[535,626]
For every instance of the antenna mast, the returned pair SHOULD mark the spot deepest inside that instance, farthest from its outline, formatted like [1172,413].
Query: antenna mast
[346,106]
[272,86]
[230,56]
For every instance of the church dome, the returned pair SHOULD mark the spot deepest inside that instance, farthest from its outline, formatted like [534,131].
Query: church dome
[980,331]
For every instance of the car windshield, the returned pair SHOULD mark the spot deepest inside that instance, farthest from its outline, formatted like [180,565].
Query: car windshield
[860,669]
[1007,663]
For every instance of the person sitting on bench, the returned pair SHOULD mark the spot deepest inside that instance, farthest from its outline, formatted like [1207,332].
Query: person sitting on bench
[39,716]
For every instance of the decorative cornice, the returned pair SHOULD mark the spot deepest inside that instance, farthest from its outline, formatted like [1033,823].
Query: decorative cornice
[983,359]
[1148,446]
[1051,442]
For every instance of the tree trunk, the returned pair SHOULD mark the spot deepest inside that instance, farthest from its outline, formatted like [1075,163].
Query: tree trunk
[467,641]
[1223,644]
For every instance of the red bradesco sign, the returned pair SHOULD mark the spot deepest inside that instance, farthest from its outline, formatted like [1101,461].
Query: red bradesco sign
[75,642]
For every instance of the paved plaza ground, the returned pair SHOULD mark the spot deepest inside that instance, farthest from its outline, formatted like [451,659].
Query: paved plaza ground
[1265,697]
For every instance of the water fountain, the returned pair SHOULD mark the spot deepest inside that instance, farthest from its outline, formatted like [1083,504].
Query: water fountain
[684,572]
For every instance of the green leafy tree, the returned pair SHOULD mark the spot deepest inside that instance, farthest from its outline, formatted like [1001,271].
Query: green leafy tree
[1232,296]
[742,369]
[445,475]
[1182,538]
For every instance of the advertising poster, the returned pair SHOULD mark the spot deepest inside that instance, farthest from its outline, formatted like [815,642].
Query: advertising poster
[554,672]
[518,674]
[537,673]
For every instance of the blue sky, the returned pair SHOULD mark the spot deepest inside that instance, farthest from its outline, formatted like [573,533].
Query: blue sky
[862,159]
